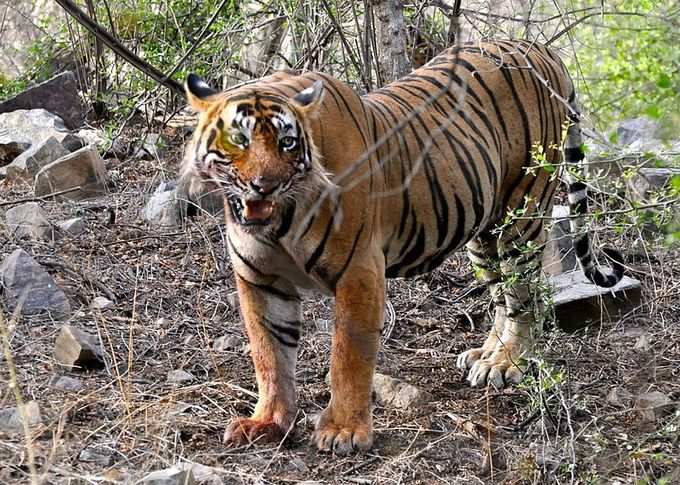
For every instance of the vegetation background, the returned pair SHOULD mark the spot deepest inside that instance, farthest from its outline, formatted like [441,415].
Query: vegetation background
[562,426]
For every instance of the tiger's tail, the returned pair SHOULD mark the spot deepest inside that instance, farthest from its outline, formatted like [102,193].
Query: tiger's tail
[578,208]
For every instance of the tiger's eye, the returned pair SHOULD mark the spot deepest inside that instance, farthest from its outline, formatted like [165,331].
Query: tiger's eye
[288,142]
[237,138]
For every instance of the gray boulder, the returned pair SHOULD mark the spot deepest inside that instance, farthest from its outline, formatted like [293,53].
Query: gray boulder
[26,282]
[28,164]
[163,209]
[649,180]
[83,168]
[77,349]
[29,220]
[635,129]
[11,419]
[58,95]
[22,128]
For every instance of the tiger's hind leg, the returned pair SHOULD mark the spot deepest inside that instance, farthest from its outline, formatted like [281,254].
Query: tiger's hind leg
[483,253]
[513,331]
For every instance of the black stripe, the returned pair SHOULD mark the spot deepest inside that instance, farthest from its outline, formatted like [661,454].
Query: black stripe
[270,289]
[576,187]
[318,251]
[334,281]
[286,220]
[574,154]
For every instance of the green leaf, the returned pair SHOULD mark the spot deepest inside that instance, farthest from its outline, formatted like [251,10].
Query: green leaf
[675,182]
[664,81]
[653,111]
[613,138]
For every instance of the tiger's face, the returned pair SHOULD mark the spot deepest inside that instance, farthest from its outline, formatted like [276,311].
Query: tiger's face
[252,146]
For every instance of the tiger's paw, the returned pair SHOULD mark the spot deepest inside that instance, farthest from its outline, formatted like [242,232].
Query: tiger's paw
[468,358]
[242,431]
[341,438]
[500,369]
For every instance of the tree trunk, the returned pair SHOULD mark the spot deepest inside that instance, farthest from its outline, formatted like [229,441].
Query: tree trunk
[390,31]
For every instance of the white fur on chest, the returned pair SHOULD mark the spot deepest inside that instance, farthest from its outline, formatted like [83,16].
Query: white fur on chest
[258,257]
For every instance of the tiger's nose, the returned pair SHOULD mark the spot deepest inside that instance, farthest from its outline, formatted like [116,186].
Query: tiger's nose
[264,185]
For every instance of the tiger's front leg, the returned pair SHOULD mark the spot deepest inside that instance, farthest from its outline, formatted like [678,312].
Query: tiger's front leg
[346,424]
[272,319]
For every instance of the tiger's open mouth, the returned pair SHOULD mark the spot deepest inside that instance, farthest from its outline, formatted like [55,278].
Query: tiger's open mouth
[251,212]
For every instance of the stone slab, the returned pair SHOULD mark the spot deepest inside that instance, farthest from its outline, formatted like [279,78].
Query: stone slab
[579,303]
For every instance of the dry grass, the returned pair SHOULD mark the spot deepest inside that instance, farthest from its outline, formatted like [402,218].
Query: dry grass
[170,288]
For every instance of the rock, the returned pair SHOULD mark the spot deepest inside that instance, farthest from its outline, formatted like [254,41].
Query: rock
[83,168]
[391,392]
[23,128]
[58,95]
[204,475]
[559,256]
[92,137]
[232,300]
[641,128]
[154,147]
[163,209]
[619,397]
[76,349]
[24,279]
[653,405]
[647,181]
[73,142]
[65,383]
[29,220]
[11,419]
[84,137]
[180,376]
[101,303]
[74,226]
[226,342]
[579,303]
[170,476]
[98,455]
[211,202]
[28,164]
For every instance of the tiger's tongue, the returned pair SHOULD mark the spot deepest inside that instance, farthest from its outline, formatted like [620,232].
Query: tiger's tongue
[257,210]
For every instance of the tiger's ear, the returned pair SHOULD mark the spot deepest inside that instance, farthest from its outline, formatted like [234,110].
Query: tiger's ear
[198,92]
[309,99]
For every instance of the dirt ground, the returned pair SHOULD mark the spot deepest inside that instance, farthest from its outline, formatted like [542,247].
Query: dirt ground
[564,425]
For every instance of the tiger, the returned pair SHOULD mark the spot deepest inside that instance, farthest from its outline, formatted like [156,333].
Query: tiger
[329,191]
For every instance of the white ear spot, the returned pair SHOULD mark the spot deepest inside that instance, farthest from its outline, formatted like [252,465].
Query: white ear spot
[310,95]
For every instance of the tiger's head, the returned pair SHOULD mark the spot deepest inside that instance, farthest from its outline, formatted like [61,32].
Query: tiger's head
[253,145]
